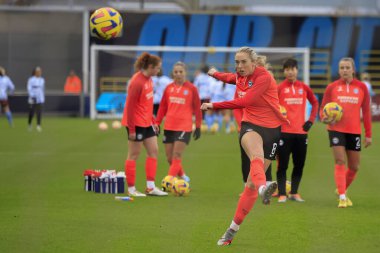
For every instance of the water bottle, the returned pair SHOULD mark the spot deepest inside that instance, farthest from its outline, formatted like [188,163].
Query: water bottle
[87,180]
[123,198]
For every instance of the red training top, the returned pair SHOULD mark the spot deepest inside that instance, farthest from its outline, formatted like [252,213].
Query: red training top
[138,109]
[178,104]
[260,101]
[292,96]
[353,97]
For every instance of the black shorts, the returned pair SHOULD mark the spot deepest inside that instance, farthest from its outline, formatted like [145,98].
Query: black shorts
[143,133]
[270,136]
[172,136]
[349,141]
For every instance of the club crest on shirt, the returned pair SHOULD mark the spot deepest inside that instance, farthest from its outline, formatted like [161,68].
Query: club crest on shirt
[250,83]
[185,92]
[300,91]
[356,91]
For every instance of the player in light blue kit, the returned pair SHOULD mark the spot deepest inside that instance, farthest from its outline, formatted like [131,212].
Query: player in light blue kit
[159,84]
[203,82]
[222,92]
[6,86]
[36,92]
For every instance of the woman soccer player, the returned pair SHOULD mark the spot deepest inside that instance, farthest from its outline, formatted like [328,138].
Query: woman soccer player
[293,95]
[240,91]
[36,92]
[140,124]
[259,134]
[178,105]
[6,86]
[345,135]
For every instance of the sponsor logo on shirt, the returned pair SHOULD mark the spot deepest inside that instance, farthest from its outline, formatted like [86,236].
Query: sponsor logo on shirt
[348,99]
[177,100]
[293,101]
[149,95]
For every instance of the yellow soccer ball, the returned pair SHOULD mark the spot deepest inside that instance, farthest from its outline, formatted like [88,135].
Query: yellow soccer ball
[332,112]
[106,23]
[214,128]
[167,183]
[203,128]
[181,187]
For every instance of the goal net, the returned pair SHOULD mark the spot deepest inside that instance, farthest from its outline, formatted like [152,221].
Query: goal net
[112,66]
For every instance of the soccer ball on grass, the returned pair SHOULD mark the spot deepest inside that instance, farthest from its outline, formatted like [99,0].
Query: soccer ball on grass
[181,187]
[167,183]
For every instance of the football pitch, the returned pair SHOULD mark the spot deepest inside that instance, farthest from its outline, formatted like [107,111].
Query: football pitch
[44,208]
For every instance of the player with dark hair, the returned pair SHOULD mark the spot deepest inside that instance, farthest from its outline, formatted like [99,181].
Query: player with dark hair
[140,124]
[345,135]
[293,95]
[178,105]
[260,130]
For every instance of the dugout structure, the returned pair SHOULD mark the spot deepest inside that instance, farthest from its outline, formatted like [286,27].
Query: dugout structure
[111,67]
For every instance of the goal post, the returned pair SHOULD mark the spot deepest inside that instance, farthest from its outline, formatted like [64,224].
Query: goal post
[111,66]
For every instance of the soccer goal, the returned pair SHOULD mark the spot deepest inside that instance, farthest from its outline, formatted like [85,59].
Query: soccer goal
[112,66]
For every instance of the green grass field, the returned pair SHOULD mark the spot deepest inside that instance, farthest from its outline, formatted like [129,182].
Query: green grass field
[44,208]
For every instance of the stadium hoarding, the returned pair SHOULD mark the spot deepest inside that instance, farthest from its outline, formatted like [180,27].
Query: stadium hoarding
[340,36]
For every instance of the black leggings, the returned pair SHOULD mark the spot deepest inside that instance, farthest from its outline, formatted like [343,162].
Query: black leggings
[295,144]
[246,166]
[35,108]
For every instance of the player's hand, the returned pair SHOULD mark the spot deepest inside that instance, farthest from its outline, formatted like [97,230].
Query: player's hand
[306,127]
[367,142]
[157,129]
[197,133]
[206,106]
[212,71]
[132,137]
